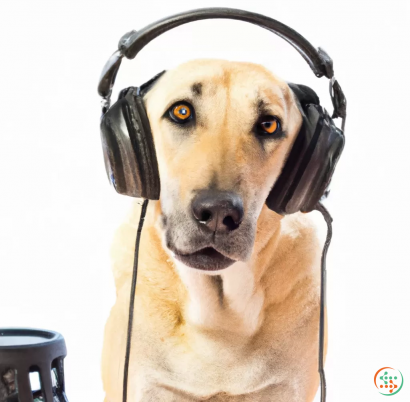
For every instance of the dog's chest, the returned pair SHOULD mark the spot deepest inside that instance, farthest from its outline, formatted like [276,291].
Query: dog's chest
[230,344]
[207,365]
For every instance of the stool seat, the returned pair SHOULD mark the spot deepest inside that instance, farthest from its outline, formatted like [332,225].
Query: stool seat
[24,351]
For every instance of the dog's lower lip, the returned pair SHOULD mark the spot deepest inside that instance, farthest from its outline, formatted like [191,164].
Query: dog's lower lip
[207,259]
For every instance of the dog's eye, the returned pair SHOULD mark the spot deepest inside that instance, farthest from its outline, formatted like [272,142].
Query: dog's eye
[268,125]
[180,112]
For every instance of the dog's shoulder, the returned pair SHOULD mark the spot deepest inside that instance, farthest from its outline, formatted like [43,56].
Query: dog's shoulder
[299,226]
[299,240]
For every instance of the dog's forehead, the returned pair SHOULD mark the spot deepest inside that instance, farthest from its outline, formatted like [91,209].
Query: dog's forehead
[204,78]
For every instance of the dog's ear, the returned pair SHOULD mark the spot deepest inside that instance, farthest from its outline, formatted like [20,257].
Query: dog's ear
[304,95]
[144,88]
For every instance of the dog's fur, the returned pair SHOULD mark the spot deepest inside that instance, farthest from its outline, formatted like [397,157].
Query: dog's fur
[245,333]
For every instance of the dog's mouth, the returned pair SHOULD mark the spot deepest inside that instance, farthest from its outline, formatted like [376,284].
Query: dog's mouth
[207,259]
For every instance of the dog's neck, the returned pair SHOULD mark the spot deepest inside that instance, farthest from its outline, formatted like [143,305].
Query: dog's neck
[232,299]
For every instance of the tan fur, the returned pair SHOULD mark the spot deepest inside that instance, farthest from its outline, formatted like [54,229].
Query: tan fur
[260,343]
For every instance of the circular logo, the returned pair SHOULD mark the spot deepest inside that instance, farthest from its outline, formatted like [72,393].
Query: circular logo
[388,381]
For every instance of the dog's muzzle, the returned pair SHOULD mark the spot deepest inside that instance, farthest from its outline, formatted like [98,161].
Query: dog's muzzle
[215,235]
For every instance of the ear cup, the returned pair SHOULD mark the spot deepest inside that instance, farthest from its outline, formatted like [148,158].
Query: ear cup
[311,162]
[129,151]
[304,95]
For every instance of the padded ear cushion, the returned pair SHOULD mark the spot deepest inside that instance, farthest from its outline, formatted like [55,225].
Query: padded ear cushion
[304,94]
[129,151]
[311,162]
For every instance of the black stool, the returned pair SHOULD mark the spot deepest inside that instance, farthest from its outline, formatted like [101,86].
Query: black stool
[24,351]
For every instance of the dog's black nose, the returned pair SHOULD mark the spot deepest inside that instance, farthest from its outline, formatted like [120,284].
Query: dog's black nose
[220,211]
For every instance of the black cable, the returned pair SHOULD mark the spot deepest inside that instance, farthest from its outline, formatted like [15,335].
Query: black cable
[132,299]
[319,207]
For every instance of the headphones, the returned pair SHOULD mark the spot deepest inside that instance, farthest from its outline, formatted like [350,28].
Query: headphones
[128,145]
[129,151]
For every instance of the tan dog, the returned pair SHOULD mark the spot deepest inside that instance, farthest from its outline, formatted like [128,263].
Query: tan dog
[227,301]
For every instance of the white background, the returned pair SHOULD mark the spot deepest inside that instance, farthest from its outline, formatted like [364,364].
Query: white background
[58,213]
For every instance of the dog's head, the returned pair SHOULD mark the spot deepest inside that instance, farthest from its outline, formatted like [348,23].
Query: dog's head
[222,131]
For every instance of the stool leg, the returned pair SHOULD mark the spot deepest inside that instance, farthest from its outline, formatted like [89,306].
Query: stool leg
[59,365]
[24,386]
[46,384]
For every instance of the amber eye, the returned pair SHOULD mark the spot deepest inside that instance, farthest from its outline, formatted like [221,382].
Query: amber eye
[269,125]
[180,112]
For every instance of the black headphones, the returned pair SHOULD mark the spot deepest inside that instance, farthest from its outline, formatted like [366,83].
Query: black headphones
[129,151]
[128,145]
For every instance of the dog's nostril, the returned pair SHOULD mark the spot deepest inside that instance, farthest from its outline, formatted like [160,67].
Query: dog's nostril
[230,223]
[206,216]
[219,211]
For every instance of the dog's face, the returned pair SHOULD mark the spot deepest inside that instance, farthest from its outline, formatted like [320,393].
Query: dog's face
[222,131]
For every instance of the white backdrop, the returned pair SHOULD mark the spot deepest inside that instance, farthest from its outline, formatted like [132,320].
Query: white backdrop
[58,213]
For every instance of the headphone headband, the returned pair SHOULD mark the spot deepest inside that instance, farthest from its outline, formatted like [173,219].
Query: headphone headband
[134,41]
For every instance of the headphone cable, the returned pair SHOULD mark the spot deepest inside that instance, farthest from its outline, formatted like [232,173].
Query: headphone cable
[132,300]
[326,215]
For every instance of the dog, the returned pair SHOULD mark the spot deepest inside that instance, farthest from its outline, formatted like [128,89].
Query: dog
[228,292]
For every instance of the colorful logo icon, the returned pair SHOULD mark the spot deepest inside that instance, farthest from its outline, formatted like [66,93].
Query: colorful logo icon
[388,381]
